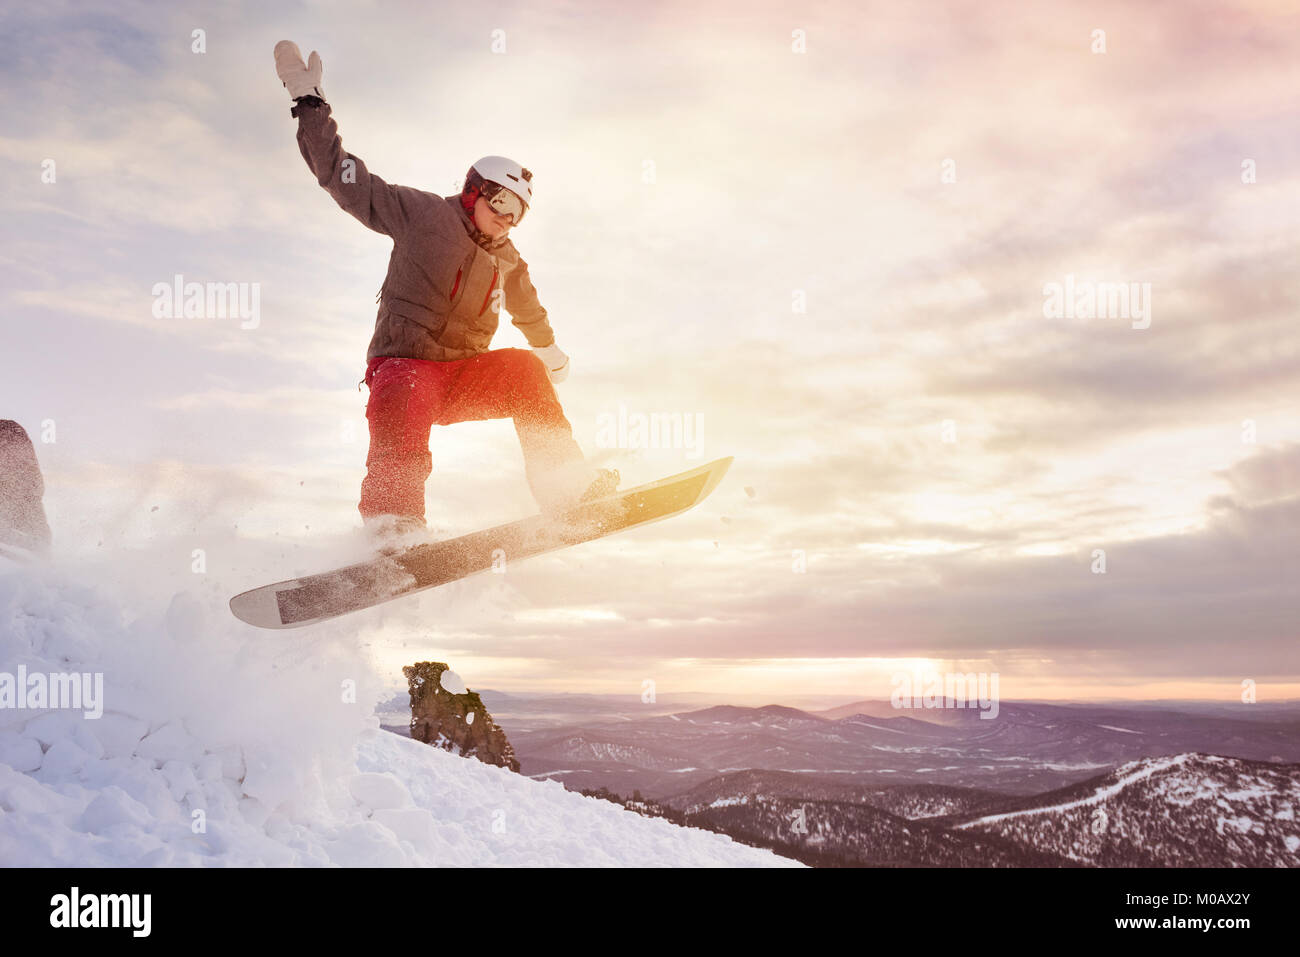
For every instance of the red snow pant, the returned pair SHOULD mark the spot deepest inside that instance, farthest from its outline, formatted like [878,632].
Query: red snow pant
[409,396]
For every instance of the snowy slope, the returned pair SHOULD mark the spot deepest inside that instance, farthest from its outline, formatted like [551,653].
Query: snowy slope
[219,745]
[1185,810]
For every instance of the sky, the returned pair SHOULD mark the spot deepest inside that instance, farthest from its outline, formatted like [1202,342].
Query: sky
[825,235]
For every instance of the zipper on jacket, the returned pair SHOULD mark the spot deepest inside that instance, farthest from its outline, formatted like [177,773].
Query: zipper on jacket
[452,297]
[491,289]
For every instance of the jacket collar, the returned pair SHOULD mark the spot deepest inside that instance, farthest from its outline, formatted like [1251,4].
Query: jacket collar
[476,234]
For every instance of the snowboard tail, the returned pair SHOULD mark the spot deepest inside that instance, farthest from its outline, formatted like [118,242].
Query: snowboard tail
[304,601]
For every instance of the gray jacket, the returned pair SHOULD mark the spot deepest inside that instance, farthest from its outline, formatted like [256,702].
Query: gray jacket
[442,296]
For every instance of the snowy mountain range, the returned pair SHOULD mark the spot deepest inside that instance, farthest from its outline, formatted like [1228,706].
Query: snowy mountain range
[1028,749]
[865,781]
[1188,810]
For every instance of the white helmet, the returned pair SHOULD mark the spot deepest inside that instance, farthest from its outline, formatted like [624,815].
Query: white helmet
[491,172]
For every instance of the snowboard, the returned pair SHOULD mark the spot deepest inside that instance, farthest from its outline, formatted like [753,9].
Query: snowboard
[305,601]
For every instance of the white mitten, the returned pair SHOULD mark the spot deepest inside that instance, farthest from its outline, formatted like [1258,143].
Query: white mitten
[557,363]
[300,79]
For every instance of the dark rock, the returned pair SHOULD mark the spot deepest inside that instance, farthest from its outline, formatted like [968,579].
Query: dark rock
[22,516]
[454,722]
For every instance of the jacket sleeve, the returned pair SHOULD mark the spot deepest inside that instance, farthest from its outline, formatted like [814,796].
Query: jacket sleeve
[382,207]
[525,311]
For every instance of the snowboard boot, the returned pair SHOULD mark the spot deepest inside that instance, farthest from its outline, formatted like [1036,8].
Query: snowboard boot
[598,504]
[390,534]
[582,506]
[606,483]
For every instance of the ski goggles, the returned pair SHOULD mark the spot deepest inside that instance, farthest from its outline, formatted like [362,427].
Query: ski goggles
[504,201]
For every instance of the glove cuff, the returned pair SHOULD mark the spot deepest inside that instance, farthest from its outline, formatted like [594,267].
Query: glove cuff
[309,100]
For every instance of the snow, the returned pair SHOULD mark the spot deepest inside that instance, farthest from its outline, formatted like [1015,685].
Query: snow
[731,801]
[21,754]
[868,724]
[1111,727]
[222,745]
[452,683]
[1125,775]
[1242,823]
[1259,791]
[379,790]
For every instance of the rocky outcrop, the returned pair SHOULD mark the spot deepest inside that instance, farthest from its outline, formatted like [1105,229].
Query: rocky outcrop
[22,516]
[447,715]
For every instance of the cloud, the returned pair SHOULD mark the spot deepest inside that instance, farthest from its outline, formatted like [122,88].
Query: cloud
[777,178]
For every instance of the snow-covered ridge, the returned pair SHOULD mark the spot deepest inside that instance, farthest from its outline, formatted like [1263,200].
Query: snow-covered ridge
[1186,810]
[1124,776]
[223,746]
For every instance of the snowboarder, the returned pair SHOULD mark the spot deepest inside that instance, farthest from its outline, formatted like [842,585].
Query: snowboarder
[429,360]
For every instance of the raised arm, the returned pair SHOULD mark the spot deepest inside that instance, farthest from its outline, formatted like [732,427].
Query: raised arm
[378,205]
